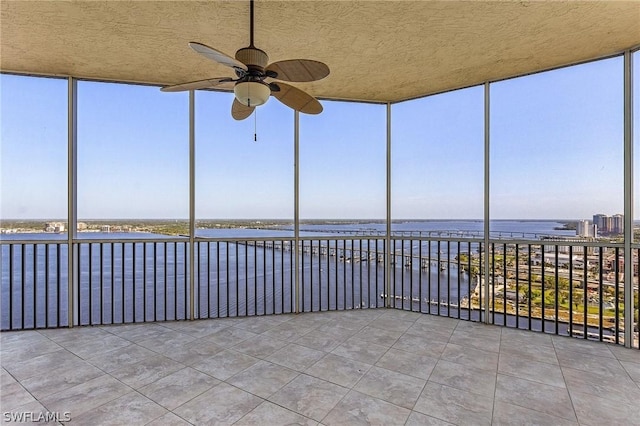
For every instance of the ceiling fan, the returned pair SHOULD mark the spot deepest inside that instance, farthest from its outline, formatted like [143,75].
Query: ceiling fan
[251,87]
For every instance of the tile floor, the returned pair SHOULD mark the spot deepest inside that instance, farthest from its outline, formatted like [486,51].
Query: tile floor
[372,366]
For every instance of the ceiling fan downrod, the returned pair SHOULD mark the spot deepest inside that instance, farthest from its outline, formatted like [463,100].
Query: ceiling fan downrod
[251,23]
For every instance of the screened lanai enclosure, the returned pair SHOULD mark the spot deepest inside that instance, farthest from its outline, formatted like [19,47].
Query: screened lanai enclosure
[462,152]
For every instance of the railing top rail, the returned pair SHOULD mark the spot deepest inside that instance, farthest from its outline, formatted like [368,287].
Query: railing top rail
[559,243]
[537,242]
[12,242]
[291,238]
[95,240]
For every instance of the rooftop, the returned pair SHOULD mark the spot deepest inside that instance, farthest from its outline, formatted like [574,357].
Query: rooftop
[369,366]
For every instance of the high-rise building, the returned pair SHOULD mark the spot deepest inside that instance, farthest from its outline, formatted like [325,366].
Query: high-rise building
[600,220]
[617,224]
[584,229]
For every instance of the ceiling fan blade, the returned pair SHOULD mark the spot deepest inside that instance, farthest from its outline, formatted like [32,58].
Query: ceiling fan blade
[222,83]
[239,111]
[217,56]
[297,99]
[299,70]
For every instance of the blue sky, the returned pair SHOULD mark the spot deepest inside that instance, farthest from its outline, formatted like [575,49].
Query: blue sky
[556,152]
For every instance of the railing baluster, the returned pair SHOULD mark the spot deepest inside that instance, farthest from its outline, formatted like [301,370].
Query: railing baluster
[616,271]
[112,264]
[35,286]
[600,295]
[360,276]
[302,279]
[246,278]
[571,303]
[529,291]
[517,301]
[505,282]
[255,277]
[351,266]
[459,276]
[543,286]
[228,290]
[585,293]
[429,277]
[264,278]
[124,265]
[144,282]
[101,311]
[448,278]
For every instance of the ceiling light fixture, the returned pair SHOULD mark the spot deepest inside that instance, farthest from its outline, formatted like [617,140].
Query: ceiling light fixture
[252,93]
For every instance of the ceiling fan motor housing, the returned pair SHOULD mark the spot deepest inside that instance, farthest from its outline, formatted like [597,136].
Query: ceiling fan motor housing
[253,58]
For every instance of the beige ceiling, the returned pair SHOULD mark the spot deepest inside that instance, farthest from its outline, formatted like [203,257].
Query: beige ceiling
[381,51]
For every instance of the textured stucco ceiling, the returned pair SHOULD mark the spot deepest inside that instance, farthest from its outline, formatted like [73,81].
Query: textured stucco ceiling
[377,50]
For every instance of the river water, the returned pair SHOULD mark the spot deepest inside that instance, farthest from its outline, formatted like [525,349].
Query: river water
[143,281]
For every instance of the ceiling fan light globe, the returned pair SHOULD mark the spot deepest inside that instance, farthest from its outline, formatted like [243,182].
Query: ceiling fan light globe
[252,93]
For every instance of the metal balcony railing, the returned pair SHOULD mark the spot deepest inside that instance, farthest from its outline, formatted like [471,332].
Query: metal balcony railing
[565,288]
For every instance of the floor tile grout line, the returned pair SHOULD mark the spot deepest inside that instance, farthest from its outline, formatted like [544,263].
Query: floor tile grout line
[554,343]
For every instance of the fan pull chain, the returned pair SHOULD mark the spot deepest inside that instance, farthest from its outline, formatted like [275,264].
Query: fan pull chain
[255,126]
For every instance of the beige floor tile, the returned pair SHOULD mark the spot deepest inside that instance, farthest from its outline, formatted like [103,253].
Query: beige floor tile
[419,419]
[179,387]
[268,413]
[529,369]
[59,379]
[605,366]
[471,338]
[230,336]
[470,379]
[421,344]
[415,365]
[225,364]
[360,350]
[431,330]
[471,357]
[86,396]
[547,399]
[167,342]
[88,347]
[359,409]
[296,357]
[379,336]
[393,324]
[309,396]
[42,364]
[263,378]
[620,389]
[169,419]
[194,352]
[595,411]
[530,349]
[14,395]
[509,414]
[339,370]
[146,371]
[455,405]
[572,344]
[121,357]
[633,368]
[319,341]
[397,388]
[132,409]
[625,354]
[222,404]
[260,346]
